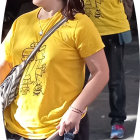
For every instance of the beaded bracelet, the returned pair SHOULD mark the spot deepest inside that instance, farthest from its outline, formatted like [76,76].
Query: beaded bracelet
[77,110]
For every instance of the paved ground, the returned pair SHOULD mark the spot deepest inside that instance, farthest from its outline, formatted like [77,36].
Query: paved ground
[99,109]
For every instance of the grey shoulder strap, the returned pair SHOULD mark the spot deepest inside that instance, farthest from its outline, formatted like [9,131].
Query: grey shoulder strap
[45,37]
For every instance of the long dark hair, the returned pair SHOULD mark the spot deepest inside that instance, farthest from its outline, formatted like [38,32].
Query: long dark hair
[71,7]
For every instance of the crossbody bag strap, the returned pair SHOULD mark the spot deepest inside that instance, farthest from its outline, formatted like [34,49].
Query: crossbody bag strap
[45,37]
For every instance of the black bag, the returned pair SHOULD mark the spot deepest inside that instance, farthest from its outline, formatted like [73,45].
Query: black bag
[9,87]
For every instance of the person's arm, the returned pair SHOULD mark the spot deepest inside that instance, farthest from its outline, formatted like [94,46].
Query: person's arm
[5,68]
[5,53]
[99,70]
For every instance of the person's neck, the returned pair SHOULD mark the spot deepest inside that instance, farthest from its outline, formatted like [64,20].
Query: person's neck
[46,13]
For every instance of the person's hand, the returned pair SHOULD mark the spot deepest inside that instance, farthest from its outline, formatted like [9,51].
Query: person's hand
[71,119]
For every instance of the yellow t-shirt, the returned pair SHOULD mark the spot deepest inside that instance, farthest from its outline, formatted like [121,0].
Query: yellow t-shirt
[107,15]
[54,77]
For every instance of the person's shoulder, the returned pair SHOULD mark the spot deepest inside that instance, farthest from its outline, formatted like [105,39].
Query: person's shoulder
[29,15]
[83,20]
[81,17]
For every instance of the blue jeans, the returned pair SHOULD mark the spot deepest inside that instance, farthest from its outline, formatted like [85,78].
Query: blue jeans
[82,135]
[117,95]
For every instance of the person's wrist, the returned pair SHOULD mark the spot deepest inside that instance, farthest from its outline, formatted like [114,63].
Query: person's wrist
[76,110]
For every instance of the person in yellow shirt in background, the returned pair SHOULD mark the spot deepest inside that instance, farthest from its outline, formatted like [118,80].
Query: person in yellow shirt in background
[51,94]
[111,21]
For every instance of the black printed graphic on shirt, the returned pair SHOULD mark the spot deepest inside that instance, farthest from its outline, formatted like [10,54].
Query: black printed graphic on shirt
[98,13]
[34,71]
[89,6]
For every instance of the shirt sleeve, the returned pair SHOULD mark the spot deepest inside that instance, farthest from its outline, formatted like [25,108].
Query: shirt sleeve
[87,38]
[6,46]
